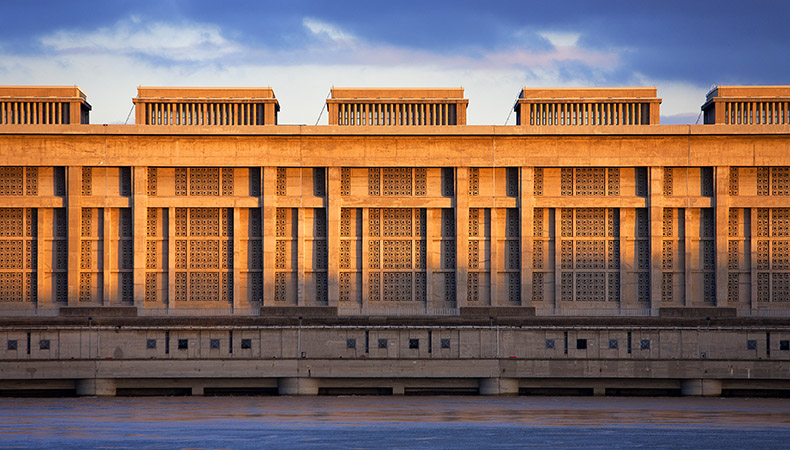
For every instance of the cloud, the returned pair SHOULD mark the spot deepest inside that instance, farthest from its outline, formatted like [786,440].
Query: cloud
[328,31]
[109,62]
[559,39]
[177,42]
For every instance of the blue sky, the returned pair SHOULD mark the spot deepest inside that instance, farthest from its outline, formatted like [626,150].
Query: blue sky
[302,48]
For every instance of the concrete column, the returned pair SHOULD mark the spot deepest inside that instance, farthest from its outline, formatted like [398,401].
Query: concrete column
[139,217]
[688,259]
[45,299]
[494,271]
[498,386]
[109,245]
[699,387]
[96,387]
[297,386]
[752,258]
[527,210]
[365,298]
[74,218]
[626,235]
[269,114]
[656,217]
[333,234]
[171,256]
[461,235]
[301,258]
[430,257]
[268,218]
[558,258]
[236,268]
[722,208]
[599,391]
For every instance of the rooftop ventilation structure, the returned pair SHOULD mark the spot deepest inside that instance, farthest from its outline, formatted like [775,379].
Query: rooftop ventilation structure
[747,105]
[587,106]
[397,107]
[43,105]
[205,106]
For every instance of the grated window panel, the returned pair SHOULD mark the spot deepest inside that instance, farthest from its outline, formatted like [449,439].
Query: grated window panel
[281,183]
[763,181]
[734,183]
[668,181]
[590,182]
[181,182]
[31,181]
[538,181]
[613,182]
[474,181]
[151,182]
[345,181]
[537,286]
[374,182]
[780,181]
[566,182]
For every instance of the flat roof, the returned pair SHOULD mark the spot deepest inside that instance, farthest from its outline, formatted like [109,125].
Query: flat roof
[585,93]
[397,93]
[749,91]
[42,91]
[156,92]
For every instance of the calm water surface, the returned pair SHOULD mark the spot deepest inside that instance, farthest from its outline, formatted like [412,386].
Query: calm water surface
[393,422]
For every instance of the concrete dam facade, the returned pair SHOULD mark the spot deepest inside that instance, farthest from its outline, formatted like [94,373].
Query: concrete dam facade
[207,248]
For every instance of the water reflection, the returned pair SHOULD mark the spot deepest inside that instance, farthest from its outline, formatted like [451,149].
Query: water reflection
[406,422]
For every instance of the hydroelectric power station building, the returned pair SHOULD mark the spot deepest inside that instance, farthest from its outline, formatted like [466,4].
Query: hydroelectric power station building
[207,249]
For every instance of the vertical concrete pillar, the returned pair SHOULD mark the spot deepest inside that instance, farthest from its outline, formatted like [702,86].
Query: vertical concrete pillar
[526,203]
[365,263]
[171,256]
[109,246]
[654,113]
[236,267]
[74,217]
[498,386]
[494,257]
[269,114]
[626,234]
[599,391]
[722,207]
[689,256]
[44,237]
[301,257]
[656,214]
[139,216]
[430,257]
[268,217]
[297,386]
[462,235]
[333,205]
[752,258]
[699,387]
[558,259]
[96,387]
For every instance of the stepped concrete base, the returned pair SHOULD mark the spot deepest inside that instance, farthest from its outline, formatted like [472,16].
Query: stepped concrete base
[96,387]
[498,386]
[700,388]
[297,386]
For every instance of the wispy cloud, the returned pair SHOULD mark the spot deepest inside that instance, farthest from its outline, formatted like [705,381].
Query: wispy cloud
[328,31]
[561,39]
[109,62]
[177,42]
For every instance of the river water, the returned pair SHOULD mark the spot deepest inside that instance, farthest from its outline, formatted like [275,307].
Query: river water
[393,422]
